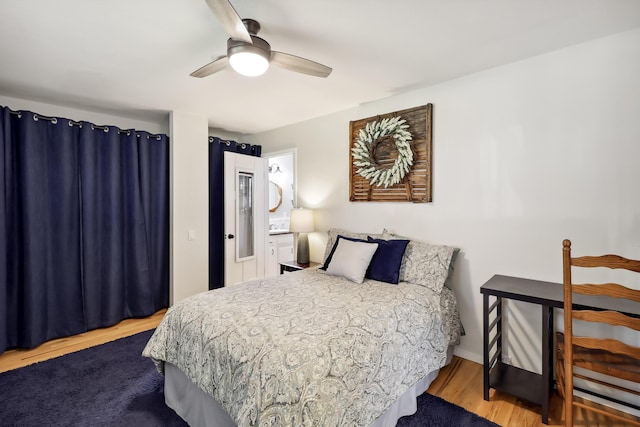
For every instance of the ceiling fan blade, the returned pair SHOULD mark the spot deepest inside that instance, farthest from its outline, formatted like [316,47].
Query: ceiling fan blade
[212,67]
[300,65]
[229,19]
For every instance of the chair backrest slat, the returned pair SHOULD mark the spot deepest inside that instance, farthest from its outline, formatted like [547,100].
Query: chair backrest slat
[607,289]
[609,344]
[608,261]
[614,318]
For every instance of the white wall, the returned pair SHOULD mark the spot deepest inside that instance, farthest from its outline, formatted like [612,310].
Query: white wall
[189,273]
[226,135]
[524,155]
[122,121]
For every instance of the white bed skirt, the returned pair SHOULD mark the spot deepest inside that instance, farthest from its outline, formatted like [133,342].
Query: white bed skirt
[199,409]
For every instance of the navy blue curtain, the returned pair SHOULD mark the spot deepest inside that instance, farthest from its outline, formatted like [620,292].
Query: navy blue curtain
[84,226]
[217,147]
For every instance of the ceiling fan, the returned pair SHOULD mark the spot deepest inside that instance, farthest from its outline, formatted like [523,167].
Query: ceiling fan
[249,54]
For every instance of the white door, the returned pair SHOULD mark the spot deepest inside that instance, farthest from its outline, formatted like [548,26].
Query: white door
[245,217]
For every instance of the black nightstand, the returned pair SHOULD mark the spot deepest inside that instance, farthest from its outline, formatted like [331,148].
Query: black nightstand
[294,266]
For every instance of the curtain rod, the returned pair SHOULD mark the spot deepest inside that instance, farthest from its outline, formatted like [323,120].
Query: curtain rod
[227,142]
[54,120]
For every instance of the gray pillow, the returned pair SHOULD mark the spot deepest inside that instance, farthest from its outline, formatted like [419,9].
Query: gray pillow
[427,265]
[351,259]
[415,246]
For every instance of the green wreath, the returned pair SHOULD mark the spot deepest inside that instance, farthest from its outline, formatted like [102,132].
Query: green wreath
[365,145]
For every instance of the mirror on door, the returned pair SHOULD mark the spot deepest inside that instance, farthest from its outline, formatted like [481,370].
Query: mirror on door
[281,191]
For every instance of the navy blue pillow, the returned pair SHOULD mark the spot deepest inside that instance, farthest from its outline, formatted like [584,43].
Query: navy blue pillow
[335,245]
[386,262]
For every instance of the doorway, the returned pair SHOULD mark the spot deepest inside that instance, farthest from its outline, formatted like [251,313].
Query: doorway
[281,170]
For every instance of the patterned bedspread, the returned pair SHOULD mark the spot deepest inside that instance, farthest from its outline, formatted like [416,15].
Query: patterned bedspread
[307,348]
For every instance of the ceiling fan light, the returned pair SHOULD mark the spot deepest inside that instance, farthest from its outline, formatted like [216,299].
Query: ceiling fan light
[249,63]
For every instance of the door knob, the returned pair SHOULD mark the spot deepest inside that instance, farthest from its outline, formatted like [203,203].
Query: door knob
[229,236]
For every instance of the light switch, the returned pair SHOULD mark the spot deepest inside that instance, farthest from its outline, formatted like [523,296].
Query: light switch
[191,235]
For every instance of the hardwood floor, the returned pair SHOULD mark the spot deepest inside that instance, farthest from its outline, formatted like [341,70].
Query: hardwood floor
[14,359]
[460,382]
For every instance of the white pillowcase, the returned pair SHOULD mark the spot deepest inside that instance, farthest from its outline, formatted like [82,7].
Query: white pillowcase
[351,259]
[333,234]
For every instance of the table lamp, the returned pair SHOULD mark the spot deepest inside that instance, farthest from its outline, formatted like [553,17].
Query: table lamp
[301,222]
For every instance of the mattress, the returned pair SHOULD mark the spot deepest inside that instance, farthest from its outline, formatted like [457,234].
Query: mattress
[199,409]
[306,348]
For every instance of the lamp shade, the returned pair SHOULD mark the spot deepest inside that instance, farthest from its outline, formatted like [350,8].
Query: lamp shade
[301,220]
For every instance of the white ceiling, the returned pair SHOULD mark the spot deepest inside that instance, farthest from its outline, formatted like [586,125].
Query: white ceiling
[133,57]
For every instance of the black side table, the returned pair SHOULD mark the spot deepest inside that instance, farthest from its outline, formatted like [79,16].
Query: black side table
[530,386]
[535,388]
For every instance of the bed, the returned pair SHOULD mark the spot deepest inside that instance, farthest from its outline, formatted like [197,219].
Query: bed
[314,347]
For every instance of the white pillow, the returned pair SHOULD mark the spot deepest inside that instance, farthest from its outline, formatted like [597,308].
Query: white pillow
[351,259]
[333,234]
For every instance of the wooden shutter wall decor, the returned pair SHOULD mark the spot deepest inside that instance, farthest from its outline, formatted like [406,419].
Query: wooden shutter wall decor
[416,185]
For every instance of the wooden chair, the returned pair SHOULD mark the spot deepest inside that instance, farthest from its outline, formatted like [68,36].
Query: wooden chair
[610,357]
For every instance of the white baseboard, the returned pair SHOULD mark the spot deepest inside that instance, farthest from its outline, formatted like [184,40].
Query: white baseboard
[474,357]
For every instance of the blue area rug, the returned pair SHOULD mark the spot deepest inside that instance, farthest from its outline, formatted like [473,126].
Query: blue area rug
[113,385]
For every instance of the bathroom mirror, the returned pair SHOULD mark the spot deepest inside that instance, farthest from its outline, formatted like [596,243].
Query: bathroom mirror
[275,196]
